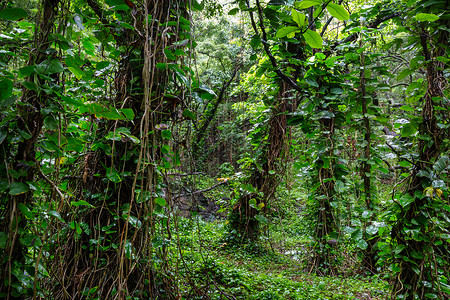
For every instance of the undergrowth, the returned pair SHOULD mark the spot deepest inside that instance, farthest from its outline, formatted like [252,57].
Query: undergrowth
[213,269]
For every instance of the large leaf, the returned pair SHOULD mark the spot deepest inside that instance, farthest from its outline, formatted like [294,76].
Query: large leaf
[189,114]
[298,18]
[277,2]
[307,3]
[338,11]
[408,130]
[233,11]
[160,201]
[313,39]
[113,175]
[362,244]
[17,188]
[6,87]
[77,72]
[78,22]
[3,239]
[50,66]
[441,164]
[284,31]
[13,14]
[426,17]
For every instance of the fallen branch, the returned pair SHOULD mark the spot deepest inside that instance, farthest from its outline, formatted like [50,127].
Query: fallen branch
[204,190]
[187,174]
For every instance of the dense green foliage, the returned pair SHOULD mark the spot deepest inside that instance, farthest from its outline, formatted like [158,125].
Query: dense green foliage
[276,149]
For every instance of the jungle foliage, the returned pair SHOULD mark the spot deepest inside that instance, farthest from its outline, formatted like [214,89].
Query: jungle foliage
[246,149]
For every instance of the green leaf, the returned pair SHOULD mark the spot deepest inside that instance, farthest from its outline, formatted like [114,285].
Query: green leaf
[438,184]
[50,66]
[324,114]
[298,18]
[79,22]
[110,114]
[30,85]
[3,136]
[197,6]
[255,41]
[56,215]
[25,210]
[50,123]
[3,239]
[307,3]
[336,91]
[189,114]
[399,248]
[17,188]
[405,200]
[311,82]
[362,244]
[71,101]
[26,71]
[162,66]
[407,108]
[81,203]
[284,31]
[122,7]
[160,201]
[206,92]
[441,164]
[167,134]
[128,113]
[338,11]
[357,235]
[13,14]
[261,219]
[404,73]
[134,221]
[313,39]
[404,164]
[372,230]
[6,87]
[233,11]
[169,54]
[113,175]
[408,130]
[77,72]
[30,240]
[76,226]
[426,17]
[277,2]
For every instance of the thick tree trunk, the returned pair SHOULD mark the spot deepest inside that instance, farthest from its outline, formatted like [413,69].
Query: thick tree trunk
[409,281]
[325,195]
[369,254]
[242,218]
[30,120]
[121,262]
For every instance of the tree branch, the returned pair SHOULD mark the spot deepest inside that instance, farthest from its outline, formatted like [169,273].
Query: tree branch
[204,190]
[372,25]
[202,131]
[273,60]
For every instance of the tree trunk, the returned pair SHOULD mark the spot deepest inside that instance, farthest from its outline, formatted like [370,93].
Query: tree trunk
[30,121]
[264,180]
[420,268]
[325,195]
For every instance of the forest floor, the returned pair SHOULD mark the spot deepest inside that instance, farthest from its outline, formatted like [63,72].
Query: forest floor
[275,270]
